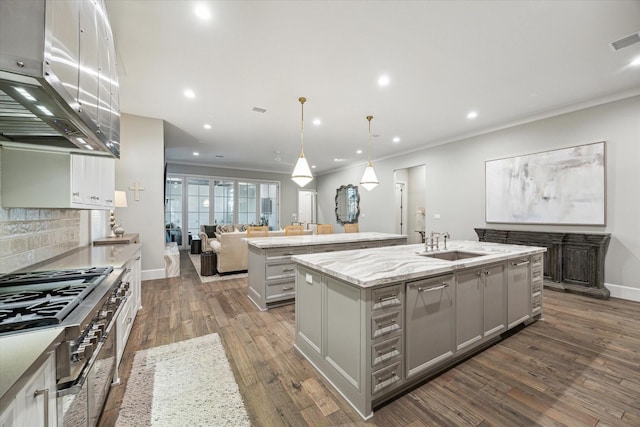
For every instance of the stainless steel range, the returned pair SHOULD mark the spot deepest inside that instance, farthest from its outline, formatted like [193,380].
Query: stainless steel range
[86,302]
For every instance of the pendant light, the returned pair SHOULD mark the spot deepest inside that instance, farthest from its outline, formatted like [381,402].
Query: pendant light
[301,173]
[369,179]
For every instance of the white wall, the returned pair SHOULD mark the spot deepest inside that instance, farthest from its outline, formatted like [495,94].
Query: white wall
[455,182]
[142,161]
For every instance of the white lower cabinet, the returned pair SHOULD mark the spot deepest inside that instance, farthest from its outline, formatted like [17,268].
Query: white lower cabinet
[124,322]
[35,404]
[519,292]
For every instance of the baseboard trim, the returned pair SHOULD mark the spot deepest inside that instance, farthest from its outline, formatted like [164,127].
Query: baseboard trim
[624,292]
[153,274]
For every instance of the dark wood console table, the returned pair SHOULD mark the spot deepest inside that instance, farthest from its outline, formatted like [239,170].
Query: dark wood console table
[574,262]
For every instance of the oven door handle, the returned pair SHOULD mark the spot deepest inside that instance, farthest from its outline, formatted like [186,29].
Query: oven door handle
[79,384]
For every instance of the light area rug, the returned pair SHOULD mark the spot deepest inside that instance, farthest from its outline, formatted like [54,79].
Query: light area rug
[188,383]
[195,260]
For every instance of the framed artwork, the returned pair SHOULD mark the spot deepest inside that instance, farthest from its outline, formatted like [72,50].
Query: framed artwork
[564,186]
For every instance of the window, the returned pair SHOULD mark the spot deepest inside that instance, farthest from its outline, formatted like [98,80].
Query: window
[173,210]
[197,205]
[202,200]
[247,203]
[223,202]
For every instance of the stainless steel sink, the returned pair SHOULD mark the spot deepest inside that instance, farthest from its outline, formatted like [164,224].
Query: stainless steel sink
[451,255]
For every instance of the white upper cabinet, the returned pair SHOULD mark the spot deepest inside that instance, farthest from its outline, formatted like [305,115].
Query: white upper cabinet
[52,179]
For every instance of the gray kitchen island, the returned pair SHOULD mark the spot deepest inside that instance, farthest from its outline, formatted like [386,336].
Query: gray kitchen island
[375,322]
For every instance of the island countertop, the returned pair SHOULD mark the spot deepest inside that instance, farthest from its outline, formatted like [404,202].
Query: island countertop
[319,239]
[378,266]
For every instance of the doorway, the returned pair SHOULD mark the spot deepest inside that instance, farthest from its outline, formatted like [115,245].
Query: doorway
[409,202]
[307,207]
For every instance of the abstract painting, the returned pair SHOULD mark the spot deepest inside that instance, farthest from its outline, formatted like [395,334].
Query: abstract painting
[565,186]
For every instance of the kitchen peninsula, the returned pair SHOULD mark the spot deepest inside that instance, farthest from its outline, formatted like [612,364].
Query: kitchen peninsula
[377,321]
[271,276]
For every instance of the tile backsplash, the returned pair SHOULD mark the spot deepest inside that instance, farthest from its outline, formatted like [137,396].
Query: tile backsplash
[29,236]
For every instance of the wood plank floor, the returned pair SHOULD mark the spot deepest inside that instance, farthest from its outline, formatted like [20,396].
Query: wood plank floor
[580,366]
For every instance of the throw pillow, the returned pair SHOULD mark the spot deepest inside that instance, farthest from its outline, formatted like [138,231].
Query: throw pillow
[210,231]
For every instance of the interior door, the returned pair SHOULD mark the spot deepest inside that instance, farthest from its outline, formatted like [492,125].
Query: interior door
[307,207]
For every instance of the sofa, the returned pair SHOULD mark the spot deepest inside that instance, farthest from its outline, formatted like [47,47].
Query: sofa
[231,250]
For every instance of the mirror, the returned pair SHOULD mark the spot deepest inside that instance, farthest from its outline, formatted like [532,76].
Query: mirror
[347,204]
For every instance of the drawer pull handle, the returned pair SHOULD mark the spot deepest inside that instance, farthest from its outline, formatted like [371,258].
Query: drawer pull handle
[286,270]
[518,264]
[44,392]
[384,325]
[381,380]
[290,288]
[388,298]
[76,194]
[392,349]
[435,288]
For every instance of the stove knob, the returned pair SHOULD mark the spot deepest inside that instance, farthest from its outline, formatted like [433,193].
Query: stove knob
[88,351]
[97,333]
[93,339]
[107,314]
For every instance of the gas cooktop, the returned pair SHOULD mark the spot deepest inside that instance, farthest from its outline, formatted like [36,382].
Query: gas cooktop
[42,298]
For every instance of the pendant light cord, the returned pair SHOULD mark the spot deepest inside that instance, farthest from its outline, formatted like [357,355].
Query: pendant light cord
[302,101]
[369,118]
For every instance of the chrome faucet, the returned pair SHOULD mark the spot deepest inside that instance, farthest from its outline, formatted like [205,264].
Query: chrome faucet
[429,244]
[446,236]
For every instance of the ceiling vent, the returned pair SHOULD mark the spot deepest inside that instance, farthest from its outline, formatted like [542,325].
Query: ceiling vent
[627,41]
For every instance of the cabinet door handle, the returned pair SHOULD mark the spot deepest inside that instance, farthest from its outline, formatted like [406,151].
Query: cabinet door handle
[478,273]
[388,377]
[287,270]
[44,392]
[384,325]
[435,288]
[518,264]
[290,288]
[488,273]
[387,298]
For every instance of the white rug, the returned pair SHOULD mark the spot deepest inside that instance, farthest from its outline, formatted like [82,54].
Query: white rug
[188,383]
[195,260]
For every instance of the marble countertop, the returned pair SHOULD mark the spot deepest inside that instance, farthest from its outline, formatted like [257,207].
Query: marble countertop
[378,266]
[319,239]
[22,353]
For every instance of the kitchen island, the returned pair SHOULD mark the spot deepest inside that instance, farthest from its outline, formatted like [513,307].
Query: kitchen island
[375,322]
[271,276]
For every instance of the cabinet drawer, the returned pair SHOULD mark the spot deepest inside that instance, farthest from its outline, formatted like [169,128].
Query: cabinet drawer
[280,290]
[384,324]
[386,350]
[318,249]
[386,377]
[536,261]
[274,271]
[386,297]
[536,274]
[362,245]
[280,252]
[536,302]
[536,286]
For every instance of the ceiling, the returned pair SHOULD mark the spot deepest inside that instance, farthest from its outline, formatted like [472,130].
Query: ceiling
[511,62]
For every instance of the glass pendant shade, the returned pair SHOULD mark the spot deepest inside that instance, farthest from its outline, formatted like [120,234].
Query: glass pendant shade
[301,173]
[369,179]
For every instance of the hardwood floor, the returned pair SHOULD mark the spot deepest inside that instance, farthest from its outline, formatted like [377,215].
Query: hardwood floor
[580,366]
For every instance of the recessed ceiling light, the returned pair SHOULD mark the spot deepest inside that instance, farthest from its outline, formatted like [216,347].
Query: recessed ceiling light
[472,115]
[317,122]
[189,93]
[636,62]
[207,126]
[313,166]
[195,153]
[383,80]
[202,12]
[337,159]
[396,139]
[359,151]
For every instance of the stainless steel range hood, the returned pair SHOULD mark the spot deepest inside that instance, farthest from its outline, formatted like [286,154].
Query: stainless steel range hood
[58,80]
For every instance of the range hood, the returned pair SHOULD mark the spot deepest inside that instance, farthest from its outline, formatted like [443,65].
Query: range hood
[58,80]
